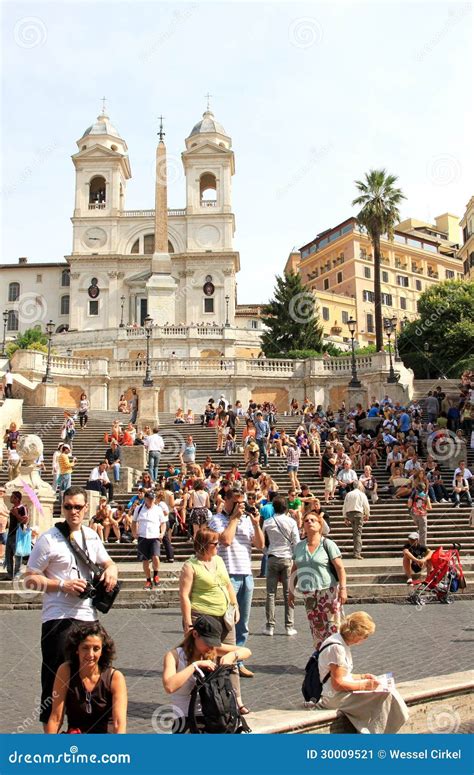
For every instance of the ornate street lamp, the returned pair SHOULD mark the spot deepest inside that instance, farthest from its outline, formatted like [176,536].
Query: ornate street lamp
[49,333]
[389,329]
[355,382]
[395,343]
[148,325]
[122,324]
[227,299]
[5,321]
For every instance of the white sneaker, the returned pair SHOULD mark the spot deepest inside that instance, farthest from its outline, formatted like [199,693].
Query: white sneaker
[364,731]
[267,630]
[291,631]
[443,500]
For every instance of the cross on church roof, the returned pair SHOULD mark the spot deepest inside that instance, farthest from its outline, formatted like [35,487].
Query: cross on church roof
[104,100]
[208,98]
[161,133]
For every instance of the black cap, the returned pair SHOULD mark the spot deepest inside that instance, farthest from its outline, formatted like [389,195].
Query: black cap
[209,629]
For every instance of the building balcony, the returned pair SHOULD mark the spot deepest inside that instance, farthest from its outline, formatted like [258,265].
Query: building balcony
[385,260]
[433,273]
[209,203]
[97,205]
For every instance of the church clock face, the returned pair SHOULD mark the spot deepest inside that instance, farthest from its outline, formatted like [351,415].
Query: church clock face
[95,237]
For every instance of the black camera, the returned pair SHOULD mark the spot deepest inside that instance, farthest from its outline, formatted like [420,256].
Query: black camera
[89,591]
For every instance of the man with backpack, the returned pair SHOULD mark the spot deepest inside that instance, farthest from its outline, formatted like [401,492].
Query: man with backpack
[281,536]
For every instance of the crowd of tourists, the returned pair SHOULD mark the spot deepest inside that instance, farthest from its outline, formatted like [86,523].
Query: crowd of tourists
[229,505]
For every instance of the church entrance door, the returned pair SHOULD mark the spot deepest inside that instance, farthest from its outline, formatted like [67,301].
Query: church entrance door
[143,310]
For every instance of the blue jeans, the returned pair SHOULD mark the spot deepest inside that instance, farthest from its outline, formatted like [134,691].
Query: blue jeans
[64,481]
[262,446]
[243,586]
[153,463]
[116,467]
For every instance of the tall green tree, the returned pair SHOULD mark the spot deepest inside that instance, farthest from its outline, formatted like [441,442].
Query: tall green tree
[440,340]
[379,214]
[291,319]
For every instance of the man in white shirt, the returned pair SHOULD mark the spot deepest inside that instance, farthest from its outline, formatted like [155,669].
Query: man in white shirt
[282,534]
[346,479]
[238,532]
[54,569]
[466,474]
[154,445]
[99,480]
[8,384]
[356,511]
[148,525]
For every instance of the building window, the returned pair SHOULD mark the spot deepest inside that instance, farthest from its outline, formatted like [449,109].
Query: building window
[339,277]
[385,277]
[208,190]
[368,296]
[418,285]
[64,305]
[387,299]
[367,272]
[135,246]
[326,283]
[325,313]
[402,280]
[93,308]
[403,302]
[449,274]
[14,295]
[208,305]
[39,278]
[345,316]
[12,323]
[370,323]
[65,278]
[149,244]
[254,324]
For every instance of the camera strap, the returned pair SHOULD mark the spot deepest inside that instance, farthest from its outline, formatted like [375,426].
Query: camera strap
[77,551]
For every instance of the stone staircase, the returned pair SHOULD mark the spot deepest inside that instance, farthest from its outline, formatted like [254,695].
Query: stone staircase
[378,577]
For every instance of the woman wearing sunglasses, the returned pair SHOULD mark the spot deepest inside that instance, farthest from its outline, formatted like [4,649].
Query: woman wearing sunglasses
[205,588]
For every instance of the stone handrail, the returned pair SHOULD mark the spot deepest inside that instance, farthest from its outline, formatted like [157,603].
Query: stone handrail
[60,363]
[151,213]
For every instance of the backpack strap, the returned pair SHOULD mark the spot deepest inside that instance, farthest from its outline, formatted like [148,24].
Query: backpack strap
[328,675]
[333,569]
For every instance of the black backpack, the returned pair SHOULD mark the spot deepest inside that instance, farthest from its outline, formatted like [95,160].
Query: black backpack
[220,711]
[312,687]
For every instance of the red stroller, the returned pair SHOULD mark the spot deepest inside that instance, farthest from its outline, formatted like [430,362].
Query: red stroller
[446,577]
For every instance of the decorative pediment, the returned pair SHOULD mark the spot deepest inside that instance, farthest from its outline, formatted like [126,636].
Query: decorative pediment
[98,150]
[206,150]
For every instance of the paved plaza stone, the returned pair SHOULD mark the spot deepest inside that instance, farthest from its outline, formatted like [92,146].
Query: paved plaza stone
[412,643]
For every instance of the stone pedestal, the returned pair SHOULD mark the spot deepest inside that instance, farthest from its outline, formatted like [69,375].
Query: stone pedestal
[133,458]
[148,406]
[38,496]
[396,392]
[128,478]
[93,497]
[357,395]
[46,394]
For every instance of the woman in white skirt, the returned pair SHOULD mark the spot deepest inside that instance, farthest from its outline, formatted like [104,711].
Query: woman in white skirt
[373,712]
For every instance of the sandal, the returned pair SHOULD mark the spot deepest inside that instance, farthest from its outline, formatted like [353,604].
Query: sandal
[244,711]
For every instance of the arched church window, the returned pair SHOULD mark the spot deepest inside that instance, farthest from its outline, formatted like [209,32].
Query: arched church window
[65,278]
[64,305]
[170,247]
[13,292]
[97,190]
[208,190]
[135,247]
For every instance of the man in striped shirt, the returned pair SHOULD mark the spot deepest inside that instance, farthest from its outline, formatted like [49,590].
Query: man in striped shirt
[238,532]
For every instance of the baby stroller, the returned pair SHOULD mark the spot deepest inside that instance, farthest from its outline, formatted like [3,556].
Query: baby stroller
[445,578]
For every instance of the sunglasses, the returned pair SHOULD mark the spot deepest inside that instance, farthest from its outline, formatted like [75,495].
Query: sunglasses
[73,507]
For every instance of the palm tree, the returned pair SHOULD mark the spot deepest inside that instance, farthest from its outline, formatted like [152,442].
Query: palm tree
[379,214]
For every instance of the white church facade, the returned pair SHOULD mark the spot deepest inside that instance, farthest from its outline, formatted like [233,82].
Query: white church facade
[175,266]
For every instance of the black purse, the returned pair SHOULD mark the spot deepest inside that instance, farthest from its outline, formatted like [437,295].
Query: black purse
[101,598]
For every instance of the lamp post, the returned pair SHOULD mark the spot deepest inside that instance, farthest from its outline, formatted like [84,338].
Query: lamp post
[355,382]
[5,321]
[122,324]
[49,333]
[395,343]
[148,325]
[227,299]
[389,329]
[426,348]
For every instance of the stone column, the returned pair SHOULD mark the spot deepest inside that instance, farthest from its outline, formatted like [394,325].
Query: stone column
[148,406]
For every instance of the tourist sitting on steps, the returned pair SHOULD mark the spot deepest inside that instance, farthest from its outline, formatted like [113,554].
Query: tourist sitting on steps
[415,557]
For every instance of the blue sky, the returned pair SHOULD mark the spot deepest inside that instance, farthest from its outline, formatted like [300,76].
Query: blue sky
[312,94]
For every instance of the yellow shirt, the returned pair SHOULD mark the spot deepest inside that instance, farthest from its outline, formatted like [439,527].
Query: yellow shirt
[209,593]
[65,464]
